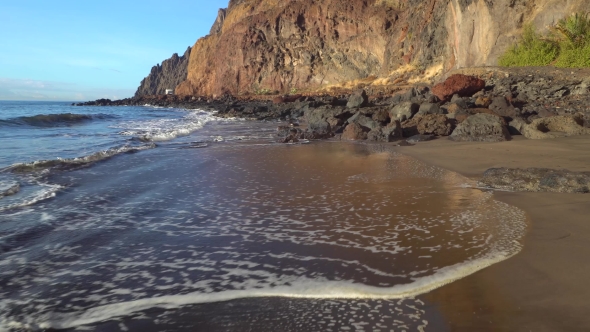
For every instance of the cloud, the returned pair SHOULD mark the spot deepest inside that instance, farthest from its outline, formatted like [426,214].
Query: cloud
[26,89]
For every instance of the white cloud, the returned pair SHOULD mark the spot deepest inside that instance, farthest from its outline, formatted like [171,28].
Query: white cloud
[26,89]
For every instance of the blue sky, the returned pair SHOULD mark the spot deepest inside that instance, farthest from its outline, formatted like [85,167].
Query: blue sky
[85,50]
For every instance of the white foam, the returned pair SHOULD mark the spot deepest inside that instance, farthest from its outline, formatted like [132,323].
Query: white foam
[304,288]
[44,191]
[97,156]
[8,188]
[165,129]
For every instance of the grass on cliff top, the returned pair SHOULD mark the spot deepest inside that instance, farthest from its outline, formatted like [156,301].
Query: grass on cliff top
[567,45]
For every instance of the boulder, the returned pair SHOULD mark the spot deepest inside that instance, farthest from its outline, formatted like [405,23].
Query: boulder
[389,133]
[463,85]
[429,108]
[404,111]
[536,180]
[515,127]
[454,108]
[358,99]
[430,124]
[502,107]
[366,122]
[481,128]
[556,126]
[354,132]
[381,116]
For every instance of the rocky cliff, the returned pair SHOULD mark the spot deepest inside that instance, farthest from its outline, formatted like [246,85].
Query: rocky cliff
[257,46]
[166,76]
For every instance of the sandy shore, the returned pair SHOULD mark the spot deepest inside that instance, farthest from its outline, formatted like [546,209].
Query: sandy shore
[547,286]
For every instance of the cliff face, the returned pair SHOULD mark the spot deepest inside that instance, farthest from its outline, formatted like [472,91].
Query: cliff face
[282,45]
[166,76]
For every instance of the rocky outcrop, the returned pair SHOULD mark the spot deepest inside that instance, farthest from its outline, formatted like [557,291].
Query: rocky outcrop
[536,180]
[554,127]
[267,45]
[481,128]
[166,76]
[218,24]
[430,124]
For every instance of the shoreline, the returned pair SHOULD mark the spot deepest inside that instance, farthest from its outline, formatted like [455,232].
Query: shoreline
[544,287]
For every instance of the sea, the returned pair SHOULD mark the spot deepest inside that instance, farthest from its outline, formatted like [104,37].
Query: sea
[163,219]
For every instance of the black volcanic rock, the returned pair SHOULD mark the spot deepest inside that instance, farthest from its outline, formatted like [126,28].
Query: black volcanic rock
[166,76]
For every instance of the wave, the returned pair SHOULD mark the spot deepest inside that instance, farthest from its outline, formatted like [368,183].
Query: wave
[303,289]
[53,120]
[70,163]
[8,188]
[36,193]
[160,130]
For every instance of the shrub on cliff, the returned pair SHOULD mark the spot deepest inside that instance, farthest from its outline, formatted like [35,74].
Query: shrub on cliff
[573,36]
[532,50]
[567,45]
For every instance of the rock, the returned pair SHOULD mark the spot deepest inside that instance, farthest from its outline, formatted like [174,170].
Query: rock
[463,85]
[481,128]
[461,116]
[389,133]
[403,143]
[430,108]
[381,116]
[364,121]
[503,108]
[515,127]
[536,180]
[171,73]
[354,132]
[482,101]
[420,138]
[556,126]
[430,124]
[582,88]
[404,111]
[454,108]
[358,99]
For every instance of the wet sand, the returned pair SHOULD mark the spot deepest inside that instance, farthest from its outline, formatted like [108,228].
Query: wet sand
[547,286]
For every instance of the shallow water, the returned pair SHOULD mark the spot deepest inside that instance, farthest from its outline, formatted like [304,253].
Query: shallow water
[239,234]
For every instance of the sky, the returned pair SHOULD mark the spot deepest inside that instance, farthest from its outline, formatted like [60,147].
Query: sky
[78,50]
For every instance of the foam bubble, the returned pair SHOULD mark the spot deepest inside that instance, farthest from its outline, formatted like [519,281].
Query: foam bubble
[165,129]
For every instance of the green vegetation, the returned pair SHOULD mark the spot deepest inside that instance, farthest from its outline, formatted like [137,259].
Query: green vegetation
[567,45]
[532,50]
[262,91]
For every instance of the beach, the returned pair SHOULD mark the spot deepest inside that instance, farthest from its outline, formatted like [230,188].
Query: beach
[545,287]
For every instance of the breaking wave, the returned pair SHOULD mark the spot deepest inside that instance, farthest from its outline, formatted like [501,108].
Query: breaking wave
[69,163]
[8,188]
[166,129]
[53,120]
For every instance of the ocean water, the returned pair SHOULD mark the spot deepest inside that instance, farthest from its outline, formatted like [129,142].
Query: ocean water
[152,219]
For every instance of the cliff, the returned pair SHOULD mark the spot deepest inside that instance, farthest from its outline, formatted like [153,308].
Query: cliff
[172,72]
[305,44]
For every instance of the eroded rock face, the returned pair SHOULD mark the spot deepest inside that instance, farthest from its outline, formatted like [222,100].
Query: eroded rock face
[166,76]
[555,126]
[536,180]
[481,128]
[292,44]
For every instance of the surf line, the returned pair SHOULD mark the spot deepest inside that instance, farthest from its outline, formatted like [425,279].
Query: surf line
[304,289]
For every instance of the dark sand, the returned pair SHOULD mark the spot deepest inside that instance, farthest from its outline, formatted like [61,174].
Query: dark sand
[547,286]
